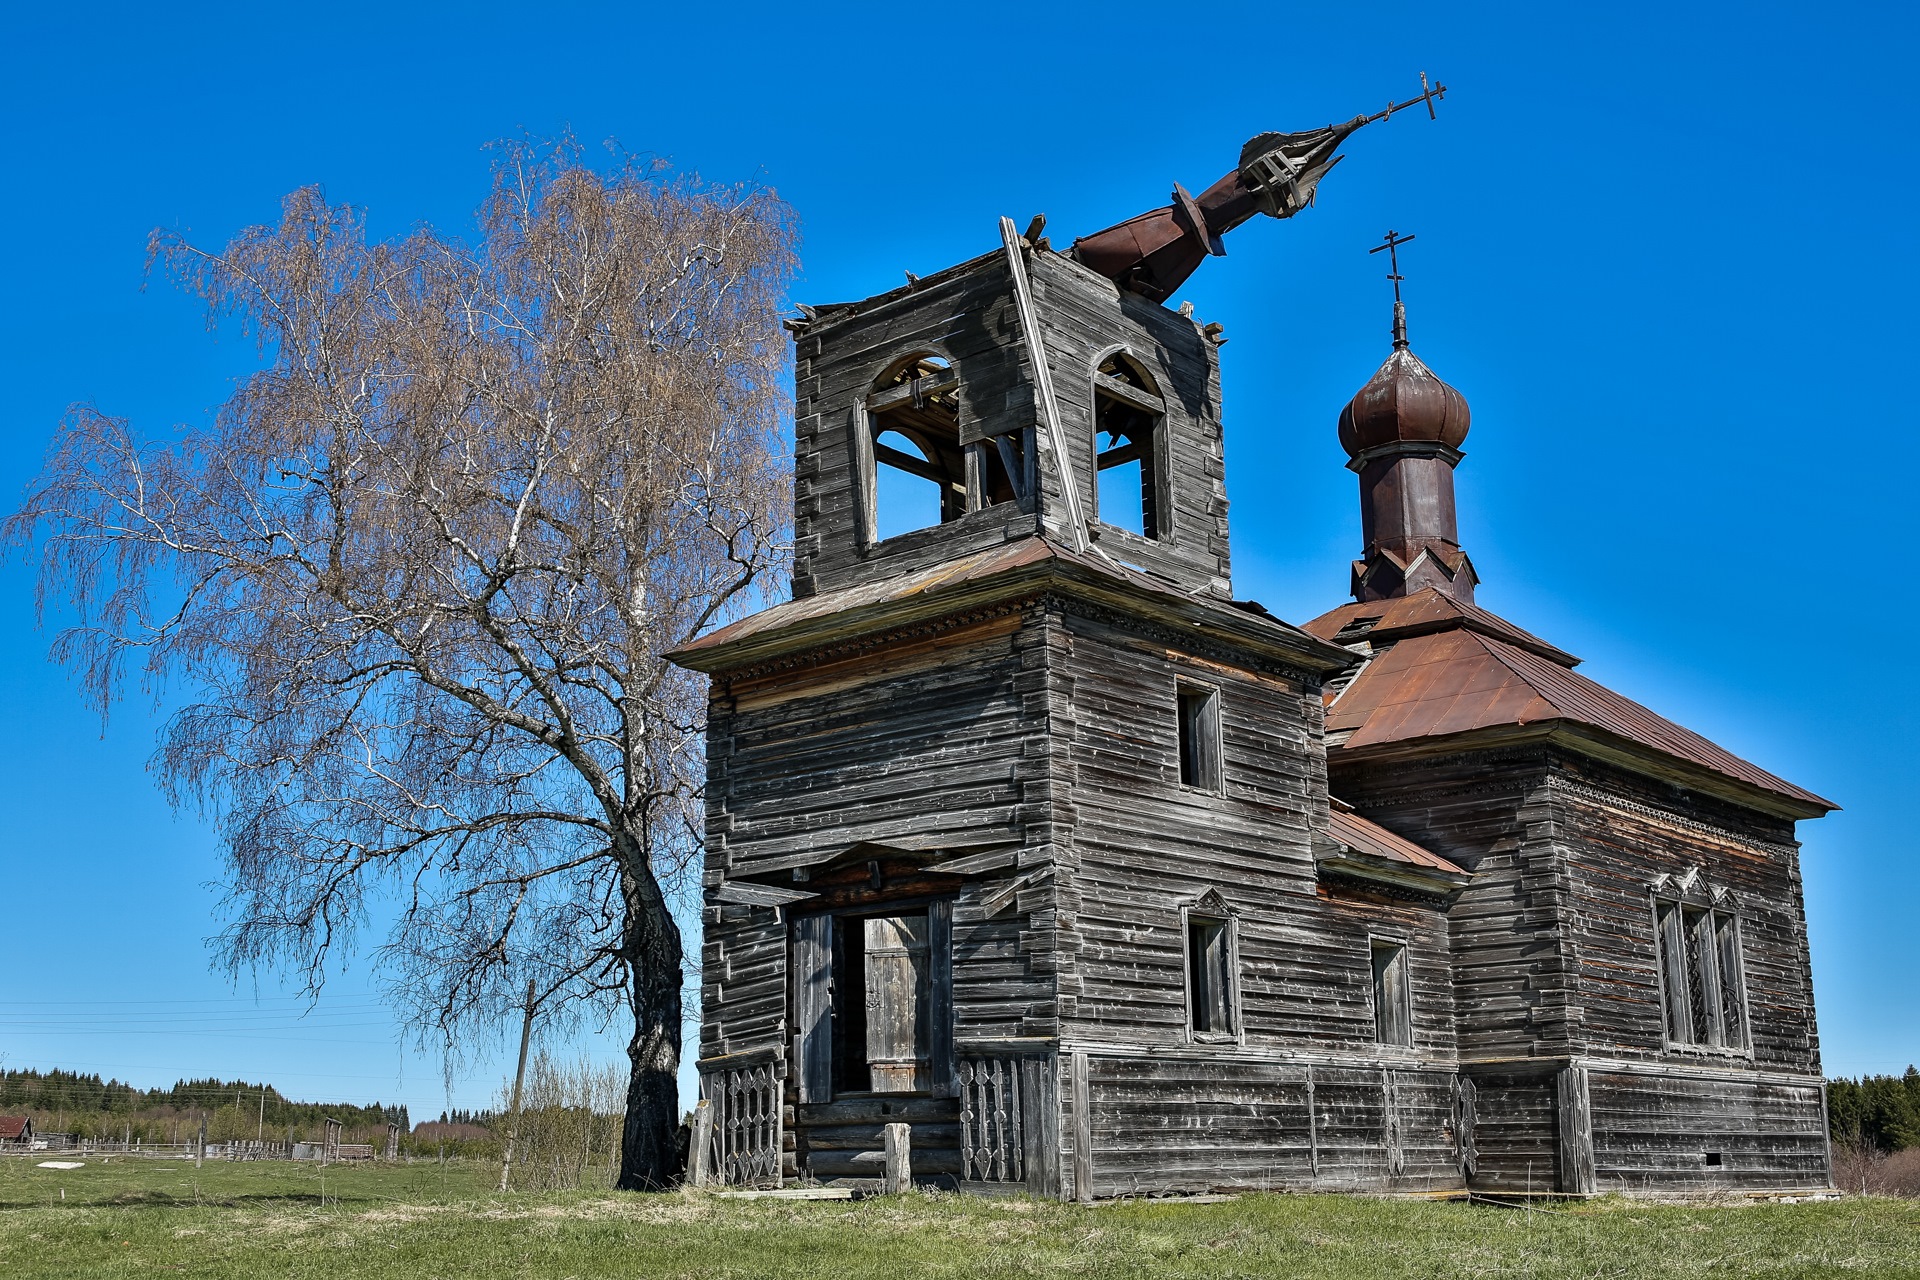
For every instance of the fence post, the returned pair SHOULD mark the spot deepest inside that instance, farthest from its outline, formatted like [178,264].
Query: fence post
[519,1074]
[200,1152]
[699,1156]
[899,1159]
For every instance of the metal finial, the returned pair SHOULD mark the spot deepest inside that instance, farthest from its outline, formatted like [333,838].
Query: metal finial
[1392,245]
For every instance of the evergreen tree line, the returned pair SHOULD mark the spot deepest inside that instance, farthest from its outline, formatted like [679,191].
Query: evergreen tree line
[1875,1113]
[88,1106]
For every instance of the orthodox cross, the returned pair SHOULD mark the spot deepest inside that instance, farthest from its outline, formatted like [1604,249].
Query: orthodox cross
[1431,93]
[1392,245]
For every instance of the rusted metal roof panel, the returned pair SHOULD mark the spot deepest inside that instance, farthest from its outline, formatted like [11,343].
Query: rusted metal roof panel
[1431,610]
[1459,681]
[1356,833]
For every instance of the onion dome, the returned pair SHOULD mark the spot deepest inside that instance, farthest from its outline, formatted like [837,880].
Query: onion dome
[1403,401]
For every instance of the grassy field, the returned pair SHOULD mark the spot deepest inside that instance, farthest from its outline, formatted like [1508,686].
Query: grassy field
[147,1218]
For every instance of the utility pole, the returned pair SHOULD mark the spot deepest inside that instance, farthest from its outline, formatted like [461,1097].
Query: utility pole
[260,1131]
[519,1074]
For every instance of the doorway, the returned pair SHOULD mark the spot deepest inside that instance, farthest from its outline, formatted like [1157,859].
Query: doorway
[882,995]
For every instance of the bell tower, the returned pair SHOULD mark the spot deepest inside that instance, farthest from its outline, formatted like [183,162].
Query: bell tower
[1017,393]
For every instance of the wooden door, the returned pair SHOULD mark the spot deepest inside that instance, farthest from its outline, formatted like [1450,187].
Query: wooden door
[899,1040]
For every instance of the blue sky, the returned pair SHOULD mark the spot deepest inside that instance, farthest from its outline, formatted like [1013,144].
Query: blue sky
[1665,251]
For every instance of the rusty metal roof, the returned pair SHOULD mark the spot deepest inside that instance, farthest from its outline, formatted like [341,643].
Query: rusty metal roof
[1356,833]
[12,1127]
[1428,611]
[1469,677]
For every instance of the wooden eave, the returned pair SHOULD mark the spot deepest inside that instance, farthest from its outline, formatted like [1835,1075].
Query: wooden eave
[1030,565]
[1362,866]
[1364,850]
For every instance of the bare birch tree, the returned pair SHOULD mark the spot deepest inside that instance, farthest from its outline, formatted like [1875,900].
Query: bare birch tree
[418,574]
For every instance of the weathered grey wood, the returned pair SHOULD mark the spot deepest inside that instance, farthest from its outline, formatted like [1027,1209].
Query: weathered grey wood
[813,1006]
[700,1145]
[1313,1127]
[758,895]
[1042,374]
[1106,384]
[1464,1125]
[944,1082]
[899,1162]
[1576,1132]
[1082,1131]
[1040,1125]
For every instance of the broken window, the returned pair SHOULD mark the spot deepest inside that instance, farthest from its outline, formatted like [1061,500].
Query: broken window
[1392,994]
[1210,976]
[1199,710]
[921,473]
[1703,983]
[1127,413]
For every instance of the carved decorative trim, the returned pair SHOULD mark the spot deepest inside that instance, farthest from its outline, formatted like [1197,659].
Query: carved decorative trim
[1399,893]
[1607,799]
[1048,601]
[1193,643]
[878,640]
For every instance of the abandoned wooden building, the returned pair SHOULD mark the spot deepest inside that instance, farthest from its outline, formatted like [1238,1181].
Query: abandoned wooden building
[1025,833]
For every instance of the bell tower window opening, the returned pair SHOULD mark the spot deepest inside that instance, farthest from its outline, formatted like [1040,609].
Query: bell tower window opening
[921,475]
[1127,417]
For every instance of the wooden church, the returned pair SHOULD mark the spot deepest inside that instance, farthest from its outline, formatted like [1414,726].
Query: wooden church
[1024,832]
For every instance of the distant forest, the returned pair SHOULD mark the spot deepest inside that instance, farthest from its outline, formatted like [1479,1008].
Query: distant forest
[87,1106]
[1875,1113]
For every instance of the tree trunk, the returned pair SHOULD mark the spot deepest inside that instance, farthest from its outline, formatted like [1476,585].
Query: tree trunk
[649,1156]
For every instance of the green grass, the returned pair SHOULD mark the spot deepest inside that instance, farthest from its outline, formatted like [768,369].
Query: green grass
[420,1222]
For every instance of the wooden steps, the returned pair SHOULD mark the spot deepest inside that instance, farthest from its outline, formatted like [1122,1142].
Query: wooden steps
[843,1139]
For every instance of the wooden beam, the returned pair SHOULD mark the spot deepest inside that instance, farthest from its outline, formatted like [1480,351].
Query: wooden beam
[1108,385]
[894,397]
[1043,381]
[977,863]
[916,466]
[758,895]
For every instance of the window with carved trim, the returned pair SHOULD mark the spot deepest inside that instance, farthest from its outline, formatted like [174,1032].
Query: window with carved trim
[1392,994]
[1212,994]
[1703,978]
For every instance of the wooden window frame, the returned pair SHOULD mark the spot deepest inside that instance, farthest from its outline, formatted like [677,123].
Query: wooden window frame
[1157,456]
[1014,452]
[1402,947]
[1209,764]
[1713,959]
[1211,910]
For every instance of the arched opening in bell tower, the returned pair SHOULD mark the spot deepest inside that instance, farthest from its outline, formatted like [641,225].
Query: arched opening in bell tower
[1127,413]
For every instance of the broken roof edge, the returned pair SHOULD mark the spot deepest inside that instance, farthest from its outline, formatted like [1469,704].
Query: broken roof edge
[827,314]
[1609,748]
[1441,612]
[1031,563]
